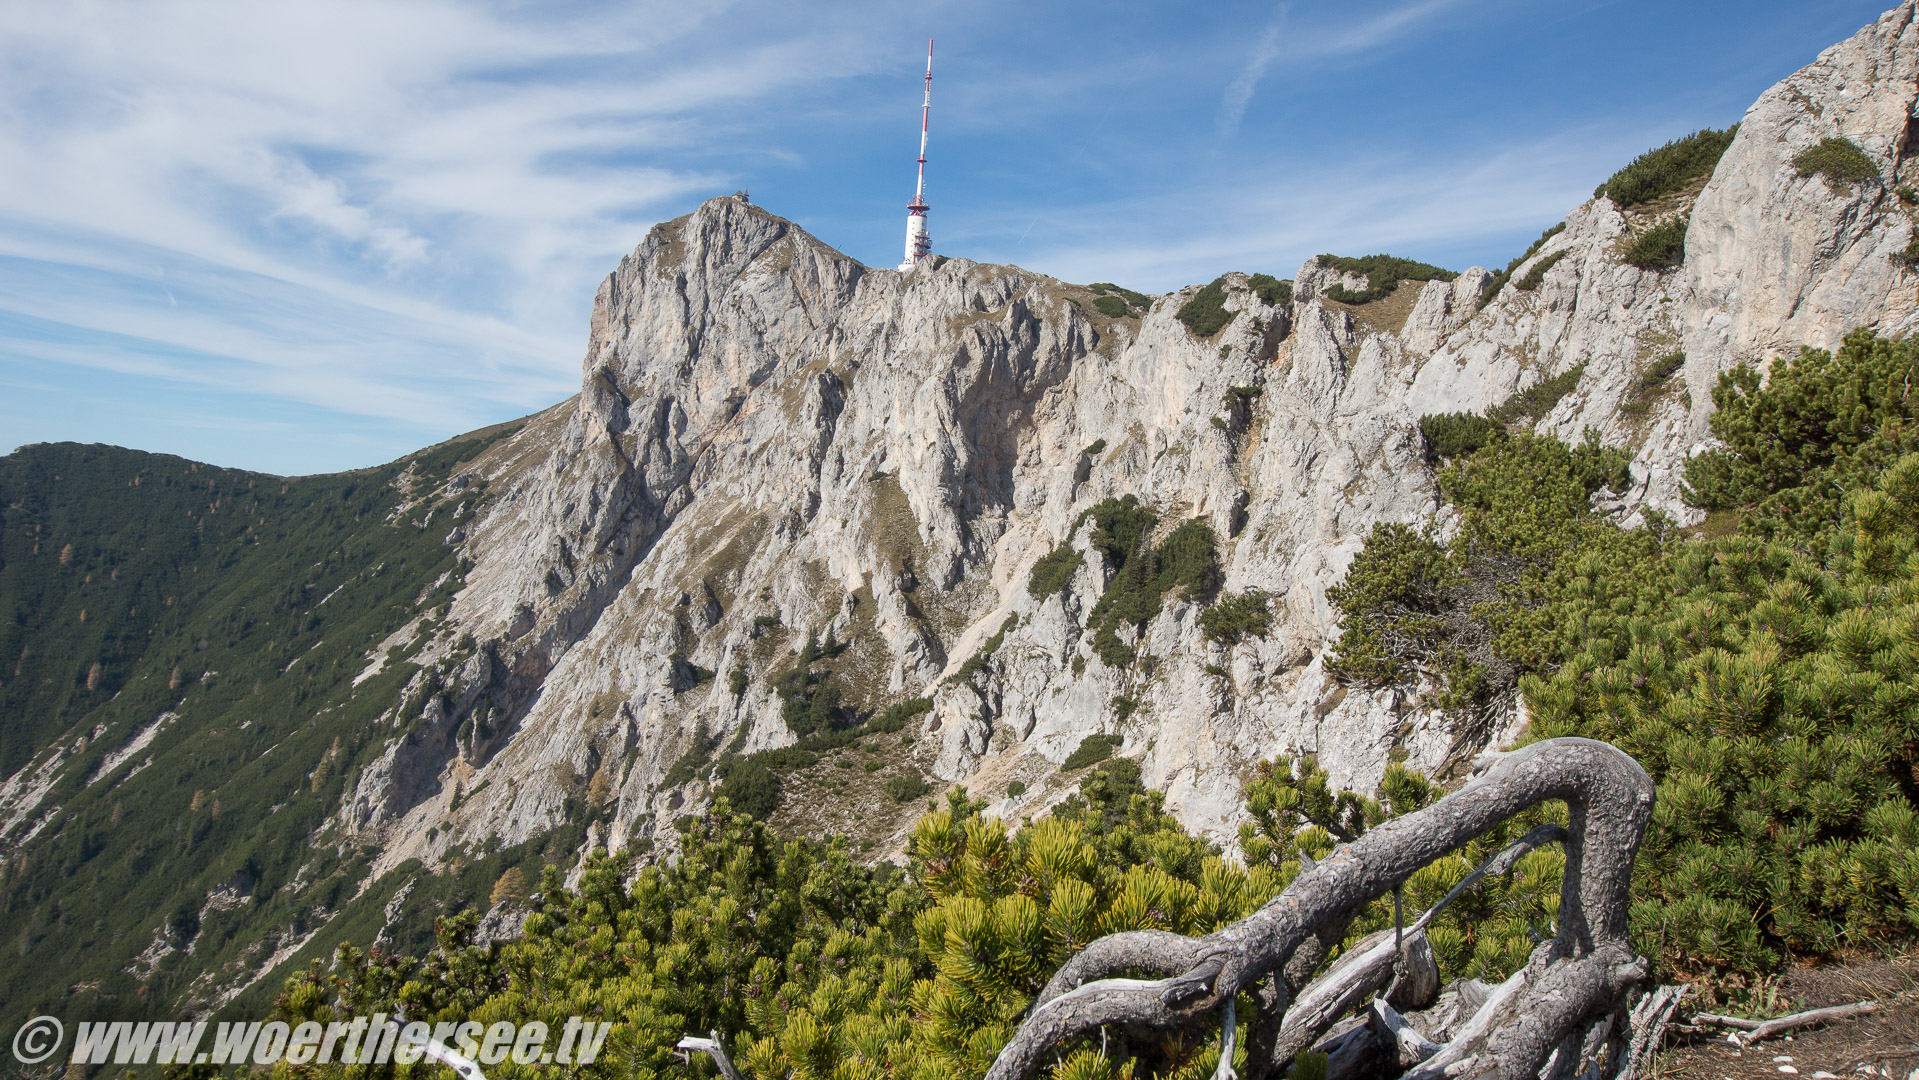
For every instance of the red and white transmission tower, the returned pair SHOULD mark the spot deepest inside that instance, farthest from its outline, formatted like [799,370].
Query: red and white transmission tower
[919,242]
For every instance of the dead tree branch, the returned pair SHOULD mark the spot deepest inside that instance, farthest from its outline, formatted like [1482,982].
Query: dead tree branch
[1577,976]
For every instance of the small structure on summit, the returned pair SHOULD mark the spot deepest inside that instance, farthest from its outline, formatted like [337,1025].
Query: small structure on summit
[919,242]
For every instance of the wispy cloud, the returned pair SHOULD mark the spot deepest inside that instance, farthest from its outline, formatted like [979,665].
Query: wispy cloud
[385,218]
[1232,106]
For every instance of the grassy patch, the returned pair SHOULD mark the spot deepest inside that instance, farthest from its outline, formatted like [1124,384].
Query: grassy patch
[1668,168]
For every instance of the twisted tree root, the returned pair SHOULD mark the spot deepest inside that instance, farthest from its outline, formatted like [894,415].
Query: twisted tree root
[1581,974]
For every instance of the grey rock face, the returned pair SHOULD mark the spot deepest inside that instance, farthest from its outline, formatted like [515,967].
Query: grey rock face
[772,441]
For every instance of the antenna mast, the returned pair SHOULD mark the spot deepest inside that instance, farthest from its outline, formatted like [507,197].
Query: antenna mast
[919,242]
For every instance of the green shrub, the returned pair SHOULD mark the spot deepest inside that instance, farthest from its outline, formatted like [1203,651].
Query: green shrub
[1646,387]
[1451,435]
[1015,789]
[1907,195]
[1187,561]
[1529,405]
[1661,247]
[1123,707]
[1799,437]
[1764,679]
[1383,273]
[686,674]
[898,716]
[752,788]
[1271,290]
[736,682]
[1236,617]
[1839,160]
[1533,278]
[1205,314]
[810,700]
[977,662]
[906,787]
[1498,281]
[1092,750]
[1110,306]
[1054,571]
[1136,299]
[1909,256]
[689,764]
[1094,448]
[765,622]
[1668,168]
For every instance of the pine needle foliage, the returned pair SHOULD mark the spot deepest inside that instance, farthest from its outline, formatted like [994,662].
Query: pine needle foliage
[202,589]
[1535,277]
[1769,680]
[1205,314]
[1383,273]
[1837,159]
[1184,564]
[1498,281]
[815,966]
[1237,617]
[1451,435]
[1797,440]
[1054,571]
[1666,169]
[1529,405]
[1271,290]
[1661,247]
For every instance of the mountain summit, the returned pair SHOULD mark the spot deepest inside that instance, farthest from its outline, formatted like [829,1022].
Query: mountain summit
[826,538]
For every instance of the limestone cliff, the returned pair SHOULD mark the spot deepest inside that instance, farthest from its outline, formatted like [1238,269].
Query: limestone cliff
[772,441]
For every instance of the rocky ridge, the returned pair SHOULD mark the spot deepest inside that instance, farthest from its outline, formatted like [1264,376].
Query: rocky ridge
[773,441]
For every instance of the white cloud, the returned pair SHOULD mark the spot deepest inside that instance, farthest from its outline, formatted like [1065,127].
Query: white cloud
[1239,93]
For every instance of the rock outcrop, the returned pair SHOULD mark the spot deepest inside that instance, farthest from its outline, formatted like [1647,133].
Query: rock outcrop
[773,442]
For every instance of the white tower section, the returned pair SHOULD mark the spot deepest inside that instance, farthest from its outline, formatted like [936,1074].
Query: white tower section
[919,242]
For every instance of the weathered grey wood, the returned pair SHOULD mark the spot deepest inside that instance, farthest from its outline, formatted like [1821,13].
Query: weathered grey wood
[712,1047]
[1579,974]
[1650,1019]
[1406,1042]
[1805,1019]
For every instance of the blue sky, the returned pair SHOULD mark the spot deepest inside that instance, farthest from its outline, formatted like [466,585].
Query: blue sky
[301,237]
